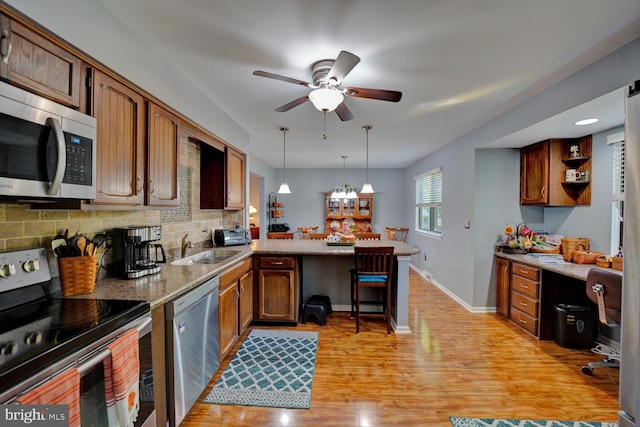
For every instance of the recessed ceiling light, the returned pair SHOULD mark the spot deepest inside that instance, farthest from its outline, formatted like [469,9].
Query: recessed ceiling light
[585,122]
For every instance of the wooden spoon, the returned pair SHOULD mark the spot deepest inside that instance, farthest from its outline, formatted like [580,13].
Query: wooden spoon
[90,249]
[81,244]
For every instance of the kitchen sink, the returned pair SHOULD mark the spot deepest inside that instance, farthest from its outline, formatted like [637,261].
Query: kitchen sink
[211,256]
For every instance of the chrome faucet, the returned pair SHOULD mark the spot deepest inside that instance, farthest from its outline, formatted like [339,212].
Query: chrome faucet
[185,244]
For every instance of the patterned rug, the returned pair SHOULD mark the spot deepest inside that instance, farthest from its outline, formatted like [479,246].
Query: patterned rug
[272,368]
[496,422]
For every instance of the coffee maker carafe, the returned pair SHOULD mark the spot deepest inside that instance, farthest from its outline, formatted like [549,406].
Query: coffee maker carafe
[135,252]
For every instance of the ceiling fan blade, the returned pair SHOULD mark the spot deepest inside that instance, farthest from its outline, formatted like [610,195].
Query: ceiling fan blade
[343,112]
[343,65]
[294,103]
[279,77]
[383,95]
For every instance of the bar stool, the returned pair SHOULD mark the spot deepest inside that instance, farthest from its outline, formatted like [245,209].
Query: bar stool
[306,231]
[399,234]
[374,268]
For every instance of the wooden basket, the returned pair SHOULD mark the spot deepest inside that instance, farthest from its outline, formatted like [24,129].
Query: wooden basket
[571,244]
[585,257]
[616,263]
[554,250]
[78,274]
[603,261]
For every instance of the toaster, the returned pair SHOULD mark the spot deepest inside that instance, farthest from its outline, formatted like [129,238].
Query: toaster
[231,236]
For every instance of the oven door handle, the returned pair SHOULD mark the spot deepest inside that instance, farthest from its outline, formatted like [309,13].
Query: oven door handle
[61,163]
[84,367]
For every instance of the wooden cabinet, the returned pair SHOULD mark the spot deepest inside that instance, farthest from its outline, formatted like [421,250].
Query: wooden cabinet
[235,304]
[276,283]
[525,297]
[163,157]
[245,311]
[543,170]
[120,113]
[221,178]
[503,290]
[357,213]
[234,181]
[137,156]
[228,318]
[36,63]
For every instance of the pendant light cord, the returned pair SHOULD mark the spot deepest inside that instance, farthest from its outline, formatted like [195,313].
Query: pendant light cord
[366,128]
[284,153]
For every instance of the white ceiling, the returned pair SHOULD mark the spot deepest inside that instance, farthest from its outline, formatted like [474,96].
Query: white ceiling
[458,63]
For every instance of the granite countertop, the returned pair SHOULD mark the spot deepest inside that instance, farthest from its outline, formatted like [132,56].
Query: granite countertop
[577,271]
[174,280]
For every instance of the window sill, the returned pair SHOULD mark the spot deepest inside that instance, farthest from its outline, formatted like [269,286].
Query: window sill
[430,234]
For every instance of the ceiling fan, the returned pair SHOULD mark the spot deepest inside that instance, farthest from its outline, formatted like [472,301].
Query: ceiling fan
[327,96]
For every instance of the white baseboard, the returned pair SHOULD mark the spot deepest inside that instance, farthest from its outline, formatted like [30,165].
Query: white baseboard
[428,276]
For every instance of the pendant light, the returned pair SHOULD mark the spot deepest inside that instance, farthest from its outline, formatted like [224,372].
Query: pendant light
[284,187]
[345,191]
[367,188]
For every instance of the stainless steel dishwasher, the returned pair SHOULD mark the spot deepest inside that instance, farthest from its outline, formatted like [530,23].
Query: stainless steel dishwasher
[193,350]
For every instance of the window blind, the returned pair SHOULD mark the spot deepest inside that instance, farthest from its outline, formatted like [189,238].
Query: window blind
[429,189]
[618,170]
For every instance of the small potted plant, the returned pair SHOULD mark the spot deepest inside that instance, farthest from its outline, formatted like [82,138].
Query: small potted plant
[575,150]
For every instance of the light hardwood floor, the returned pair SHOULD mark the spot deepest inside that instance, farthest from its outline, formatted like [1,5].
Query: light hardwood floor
[454,363]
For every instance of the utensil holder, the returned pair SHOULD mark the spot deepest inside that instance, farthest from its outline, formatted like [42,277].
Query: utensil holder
[77,274]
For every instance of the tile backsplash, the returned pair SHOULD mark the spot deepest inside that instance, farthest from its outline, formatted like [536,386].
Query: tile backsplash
[22,227]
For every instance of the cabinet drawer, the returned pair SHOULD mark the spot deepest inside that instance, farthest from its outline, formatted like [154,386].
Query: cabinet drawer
[530,273]
[277,263]
[524,286]
[524,304]
[523,320]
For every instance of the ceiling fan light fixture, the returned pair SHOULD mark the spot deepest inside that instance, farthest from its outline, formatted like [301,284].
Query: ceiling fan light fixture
[326,99]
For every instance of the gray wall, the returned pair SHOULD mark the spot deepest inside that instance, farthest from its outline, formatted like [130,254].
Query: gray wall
[305,206]
[465,270]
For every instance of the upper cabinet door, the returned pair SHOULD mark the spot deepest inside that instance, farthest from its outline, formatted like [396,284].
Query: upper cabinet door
[163,158]
[534,174]
[120,112]
[234,179]
[35,63]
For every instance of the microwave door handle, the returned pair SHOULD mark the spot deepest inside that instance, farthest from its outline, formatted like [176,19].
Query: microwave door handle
[61,164]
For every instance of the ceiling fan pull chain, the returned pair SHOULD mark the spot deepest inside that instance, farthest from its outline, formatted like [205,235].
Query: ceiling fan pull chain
[324,125]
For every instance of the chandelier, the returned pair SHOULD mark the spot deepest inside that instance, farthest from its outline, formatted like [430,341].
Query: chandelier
[345,191]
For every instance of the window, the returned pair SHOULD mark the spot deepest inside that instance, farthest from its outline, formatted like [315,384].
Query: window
[617,213]
[429,202]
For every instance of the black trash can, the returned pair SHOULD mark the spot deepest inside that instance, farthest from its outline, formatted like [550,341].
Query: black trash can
[574,326]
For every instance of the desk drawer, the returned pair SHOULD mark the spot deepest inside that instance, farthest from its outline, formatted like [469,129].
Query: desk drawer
[277,263]
[524,286]
[523,320]
[530,273]
[525,304]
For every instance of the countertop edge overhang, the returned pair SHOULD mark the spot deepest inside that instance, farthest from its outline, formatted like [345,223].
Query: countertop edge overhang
[175,280]
[570,269]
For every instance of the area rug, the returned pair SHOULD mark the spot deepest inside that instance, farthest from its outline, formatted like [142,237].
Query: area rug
[272,368]
[496,422]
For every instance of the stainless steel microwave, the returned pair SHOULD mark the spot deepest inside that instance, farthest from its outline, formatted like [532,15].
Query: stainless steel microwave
[47,150]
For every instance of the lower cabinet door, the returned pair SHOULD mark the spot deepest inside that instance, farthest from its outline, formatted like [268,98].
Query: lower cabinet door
[228,306]
[245,311]
[277,295]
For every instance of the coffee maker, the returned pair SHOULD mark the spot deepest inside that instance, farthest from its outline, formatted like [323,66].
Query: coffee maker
[135,253]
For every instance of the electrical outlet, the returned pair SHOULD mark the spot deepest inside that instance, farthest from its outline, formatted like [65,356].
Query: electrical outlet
[204,227]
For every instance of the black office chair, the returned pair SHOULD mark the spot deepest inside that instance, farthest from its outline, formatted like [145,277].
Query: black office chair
[605,289]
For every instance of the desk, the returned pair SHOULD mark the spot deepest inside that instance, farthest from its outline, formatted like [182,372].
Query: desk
[527,295]
[326,268]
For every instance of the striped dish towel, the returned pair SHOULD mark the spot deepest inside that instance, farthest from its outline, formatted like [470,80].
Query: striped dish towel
[63,389]
[121,377]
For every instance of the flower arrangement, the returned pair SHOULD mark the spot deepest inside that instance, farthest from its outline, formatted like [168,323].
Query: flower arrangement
[575,150]
[518,236]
